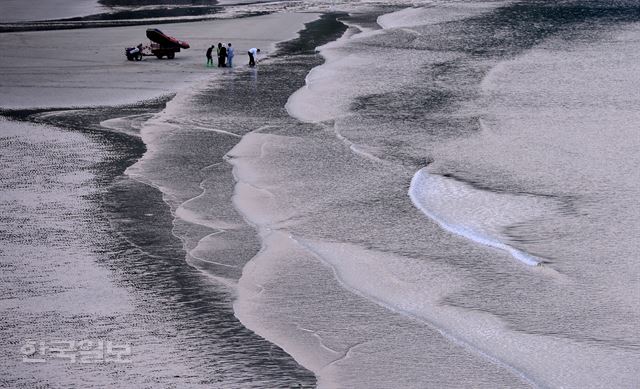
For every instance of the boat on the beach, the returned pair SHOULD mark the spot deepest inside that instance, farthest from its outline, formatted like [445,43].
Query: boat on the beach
[164,45]
[165,41]
[161,45]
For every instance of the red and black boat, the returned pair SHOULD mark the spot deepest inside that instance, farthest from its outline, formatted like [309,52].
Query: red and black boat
[162,45]
[164,40]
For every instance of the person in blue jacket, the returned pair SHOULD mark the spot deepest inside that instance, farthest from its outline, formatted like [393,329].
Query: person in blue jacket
[230,56]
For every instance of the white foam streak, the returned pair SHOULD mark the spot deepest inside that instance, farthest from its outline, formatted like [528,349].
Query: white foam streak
[327,94]
[424,190]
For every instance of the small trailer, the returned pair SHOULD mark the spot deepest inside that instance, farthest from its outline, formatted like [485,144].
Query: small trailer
[161,46]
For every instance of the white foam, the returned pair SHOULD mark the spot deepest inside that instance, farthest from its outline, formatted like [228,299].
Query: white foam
[472,213]
[318,100]
[130,125]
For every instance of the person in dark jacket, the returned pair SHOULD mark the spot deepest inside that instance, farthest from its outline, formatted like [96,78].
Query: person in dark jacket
[222,56]
[209,57]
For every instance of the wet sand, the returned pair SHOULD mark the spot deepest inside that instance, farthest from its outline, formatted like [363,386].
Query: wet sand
[87,67]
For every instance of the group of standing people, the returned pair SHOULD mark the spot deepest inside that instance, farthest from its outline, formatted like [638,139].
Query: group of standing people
[226,54]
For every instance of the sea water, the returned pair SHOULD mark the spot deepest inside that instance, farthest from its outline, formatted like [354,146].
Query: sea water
[473,171]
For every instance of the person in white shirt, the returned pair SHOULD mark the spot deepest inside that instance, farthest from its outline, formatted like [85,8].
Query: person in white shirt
[253,56]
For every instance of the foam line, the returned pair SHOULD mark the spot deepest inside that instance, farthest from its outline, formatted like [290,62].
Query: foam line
[464,231]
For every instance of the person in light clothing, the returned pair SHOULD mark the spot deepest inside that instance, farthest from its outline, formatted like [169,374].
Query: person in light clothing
[253,56]
[230,55]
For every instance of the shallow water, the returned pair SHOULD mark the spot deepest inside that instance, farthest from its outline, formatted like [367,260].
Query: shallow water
[88,255]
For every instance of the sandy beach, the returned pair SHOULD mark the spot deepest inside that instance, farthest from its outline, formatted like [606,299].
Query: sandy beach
[79,68]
